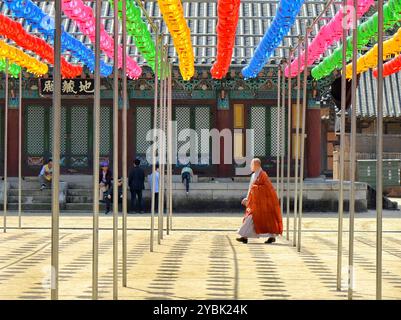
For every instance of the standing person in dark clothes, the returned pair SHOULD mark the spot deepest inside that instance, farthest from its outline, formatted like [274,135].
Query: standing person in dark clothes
[136,182]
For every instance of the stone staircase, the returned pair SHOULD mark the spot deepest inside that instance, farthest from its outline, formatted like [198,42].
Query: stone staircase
[80,197]
[33,199]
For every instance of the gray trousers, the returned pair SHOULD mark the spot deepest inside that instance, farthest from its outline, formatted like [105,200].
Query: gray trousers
[45,182]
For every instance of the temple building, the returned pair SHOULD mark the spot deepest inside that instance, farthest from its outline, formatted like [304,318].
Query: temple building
[201,103]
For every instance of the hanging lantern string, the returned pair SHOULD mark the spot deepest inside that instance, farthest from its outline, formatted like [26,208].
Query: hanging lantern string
[286,14]
[20,58]
[329,34]
[370,59]
[228,15]
[37,19]
[85,19]
[138,29]
[13,30]
[390,67]
[366,31]
[173,15]
[13,69]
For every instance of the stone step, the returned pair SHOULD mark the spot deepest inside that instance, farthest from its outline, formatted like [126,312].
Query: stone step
[29,200]
[31,192]
[80,185]
[86,207]
[25,184]
[80,199]
[79,192]
[31,206]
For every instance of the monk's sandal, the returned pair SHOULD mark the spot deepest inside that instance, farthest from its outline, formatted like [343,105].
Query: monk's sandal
[242,239]
[270,240]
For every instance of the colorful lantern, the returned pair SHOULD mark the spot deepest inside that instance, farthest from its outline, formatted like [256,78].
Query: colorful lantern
[13,30]
[228,14]
[366,31]
[13,69]
[393,66]
[20,58]
[37,19]
[370,59]
[285,17]
[138,29]
[173,15]
[85,19]
[329,34]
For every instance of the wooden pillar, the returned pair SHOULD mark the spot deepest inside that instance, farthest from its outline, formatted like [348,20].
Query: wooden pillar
[13,142]
[131,135]
[224,121]
[313,142]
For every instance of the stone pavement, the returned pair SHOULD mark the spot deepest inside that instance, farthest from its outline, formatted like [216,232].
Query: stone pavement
[200,259]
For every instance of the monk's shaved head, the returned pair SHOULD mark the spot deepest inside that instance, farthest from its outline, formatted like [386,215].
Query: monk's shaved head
[256,164]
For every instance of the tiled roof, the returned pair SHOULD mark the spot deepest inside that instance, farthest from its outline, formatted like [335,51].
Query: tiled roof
[367,96]
[255,18]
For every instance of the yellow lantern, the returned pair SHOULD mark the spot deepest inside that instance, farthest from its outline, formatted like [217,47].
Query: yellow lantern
[173,15]
[20,58]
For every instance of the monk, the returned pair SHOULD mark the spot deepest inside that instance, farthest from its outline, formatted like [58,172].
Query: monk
[262,215]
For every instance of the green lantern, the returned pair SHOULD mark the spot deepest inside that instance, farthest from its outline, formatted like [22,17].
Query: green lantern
[13,69]
[138,29]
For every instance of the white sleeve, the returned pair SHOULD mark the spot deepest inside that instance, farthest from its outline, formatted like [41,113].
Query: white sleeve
[42,171]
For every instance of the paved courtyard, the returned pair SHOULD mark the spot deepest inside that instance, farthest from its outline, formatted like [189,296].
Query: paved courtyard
[200,259]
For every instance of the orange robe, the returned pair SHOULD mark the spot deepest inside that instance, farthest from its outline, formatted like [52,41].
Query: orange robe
[264,206]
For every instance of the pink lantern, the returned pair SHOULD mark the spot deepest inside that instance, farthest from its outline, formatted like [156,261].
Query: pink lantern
[84,18]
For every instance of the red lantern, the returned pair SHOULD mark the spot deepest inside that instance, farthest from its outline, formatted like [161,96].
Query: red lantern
[228,14]
[393,66]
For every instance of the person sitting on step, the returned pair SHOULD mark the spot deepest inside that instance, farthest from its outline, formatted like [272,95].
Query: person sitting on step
[46,174]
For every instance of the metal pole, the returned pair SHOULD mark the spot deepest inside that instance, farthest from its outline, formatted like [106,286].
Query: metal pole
[152,216]
[161,151]
[56,153]
[294,241]
[302,165]
[115,154]
[342,152]
[124,141]
[20,152]
[353,153]
[168,160]
[164,106]
[289,127]
[162,147]
[96,152]
[170,151]
[170,101]
[5,189]
[379,152]
[282,143]
[278,131]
